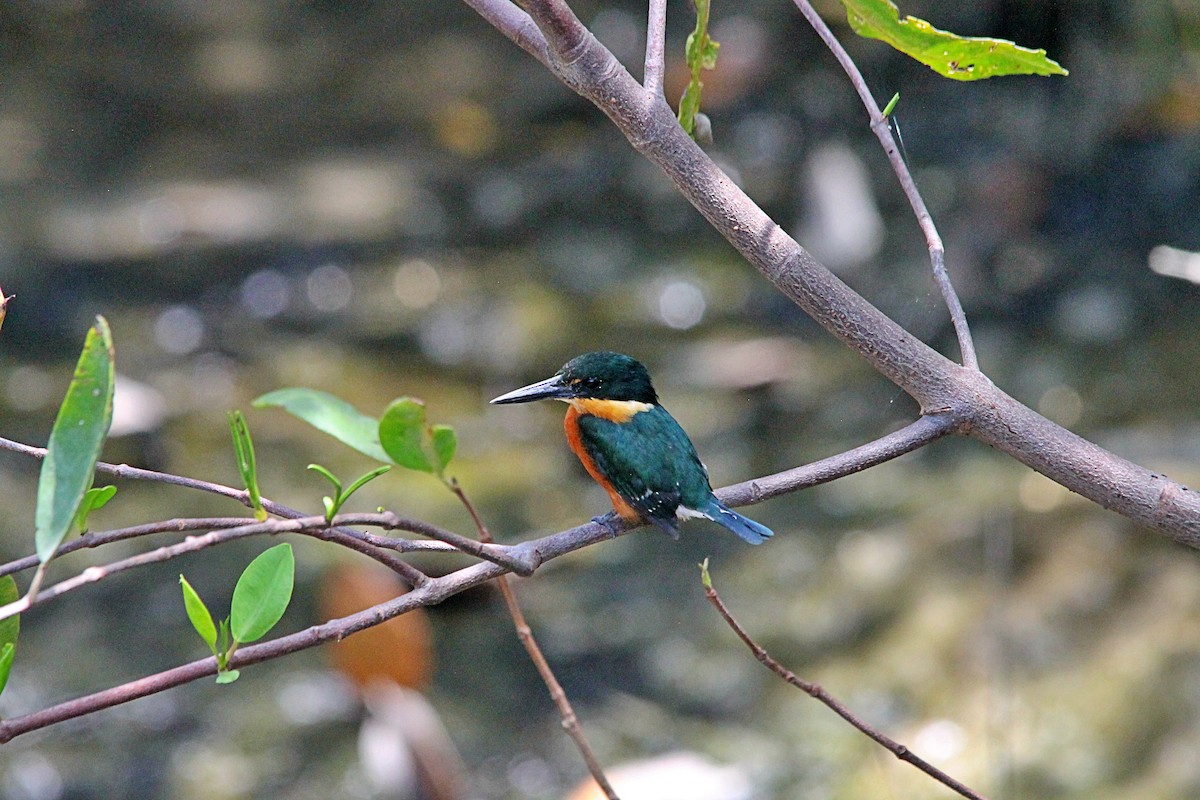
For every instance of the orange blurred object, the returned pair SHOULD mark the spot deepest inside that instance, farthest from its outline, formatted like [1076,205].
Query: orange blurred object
[399,651]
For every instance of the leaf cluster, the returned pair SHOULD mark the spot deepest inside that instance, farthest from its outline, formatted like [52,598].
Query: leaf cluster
[260,598]
[402,436]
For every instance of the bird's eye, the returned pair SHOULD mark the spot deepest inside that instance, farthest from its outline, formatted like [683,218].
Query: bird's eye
[591,384]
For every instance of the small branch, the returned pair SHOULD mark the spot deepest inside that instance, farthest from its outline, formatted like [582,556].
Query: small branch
[343,536]
[315,526]
[515,24]
[570,721]
[911,437]
[879,124]
[94,574]
[487,551]
[656,58]
[97,539]
[432,592]
[818,693]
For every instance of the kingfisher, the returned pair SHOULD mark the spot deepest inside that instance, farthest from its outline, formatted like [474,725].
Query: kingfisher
[632,447]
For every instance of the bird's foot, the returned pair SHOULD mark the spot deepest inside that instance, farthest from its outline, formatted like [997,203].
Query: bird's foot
[609,521]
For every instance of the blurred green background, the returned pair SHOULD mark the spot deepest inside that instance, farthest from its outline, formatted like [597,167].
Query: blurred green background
[377,199]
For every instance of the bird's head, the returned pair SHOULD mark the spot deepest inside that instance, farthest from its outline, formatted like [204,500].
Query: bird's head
[595,376]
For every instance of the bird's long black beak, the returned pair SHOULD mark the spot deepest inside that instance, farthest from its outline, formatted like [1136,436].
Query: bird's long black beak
[550,388]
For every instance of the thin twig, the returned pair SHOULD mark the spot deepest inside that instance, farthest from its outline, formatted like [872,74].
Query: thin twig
[99,538]
[570,721]
[486,550]
[339,535]
[879,124]
[656,34]
[818,693]
[315,526]
[911,437]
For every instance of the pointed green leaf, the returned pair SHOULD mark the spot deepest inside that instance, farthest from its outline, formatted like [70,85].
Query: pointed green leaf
[403,433]
[93,499]
[75,441]
[963,58]
[262,594]
[100,495]
[364,480]
[243,447]
[327,475]
[11,626]
[227,676]
[198,613]
[331,415]
[7,651]
[445,442]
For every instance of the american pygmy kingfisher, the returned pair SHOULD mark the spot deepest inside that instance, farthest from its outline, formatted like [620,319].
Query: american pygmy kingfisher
[631,446]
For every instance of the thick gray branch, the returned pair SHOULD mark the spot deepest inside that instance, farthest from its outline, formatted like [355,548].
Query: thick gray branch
[987,413]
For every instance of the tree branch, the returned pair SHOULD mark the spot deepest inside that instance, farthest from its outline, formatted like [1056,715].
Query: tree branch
[817,692]
[879,124]
[435,590]
[515,24]
[354,540]
[558,695]
[656,57]
[100,538]
[938,384]
[909,438]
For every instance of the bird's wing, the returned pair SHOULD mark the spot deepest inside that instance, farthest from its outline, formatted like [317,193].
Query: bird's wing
[649,461]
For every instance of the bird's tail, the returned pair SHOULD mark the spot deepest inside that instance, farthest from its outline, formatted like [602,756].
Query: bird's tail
[748,529]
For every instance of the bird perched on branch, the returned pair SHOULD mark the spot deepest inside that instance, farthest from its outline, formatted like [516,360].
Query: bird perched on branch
[631,446]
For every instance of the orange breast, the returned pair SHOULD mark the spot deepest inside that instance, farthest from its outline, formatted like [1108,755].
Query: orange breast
[575,442]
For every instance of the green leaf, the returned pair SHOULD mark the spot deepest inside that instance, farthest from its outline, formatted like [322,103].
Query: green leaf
[700,53]
[445,443]
[198,613]
[891,106]
[329,476]
[75,441]
[10,627]
[262,594]
[243,447]
[228,676]
[403,433]
[7,651]
[331,415]
[963,58]
[93,499]
[364,480]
